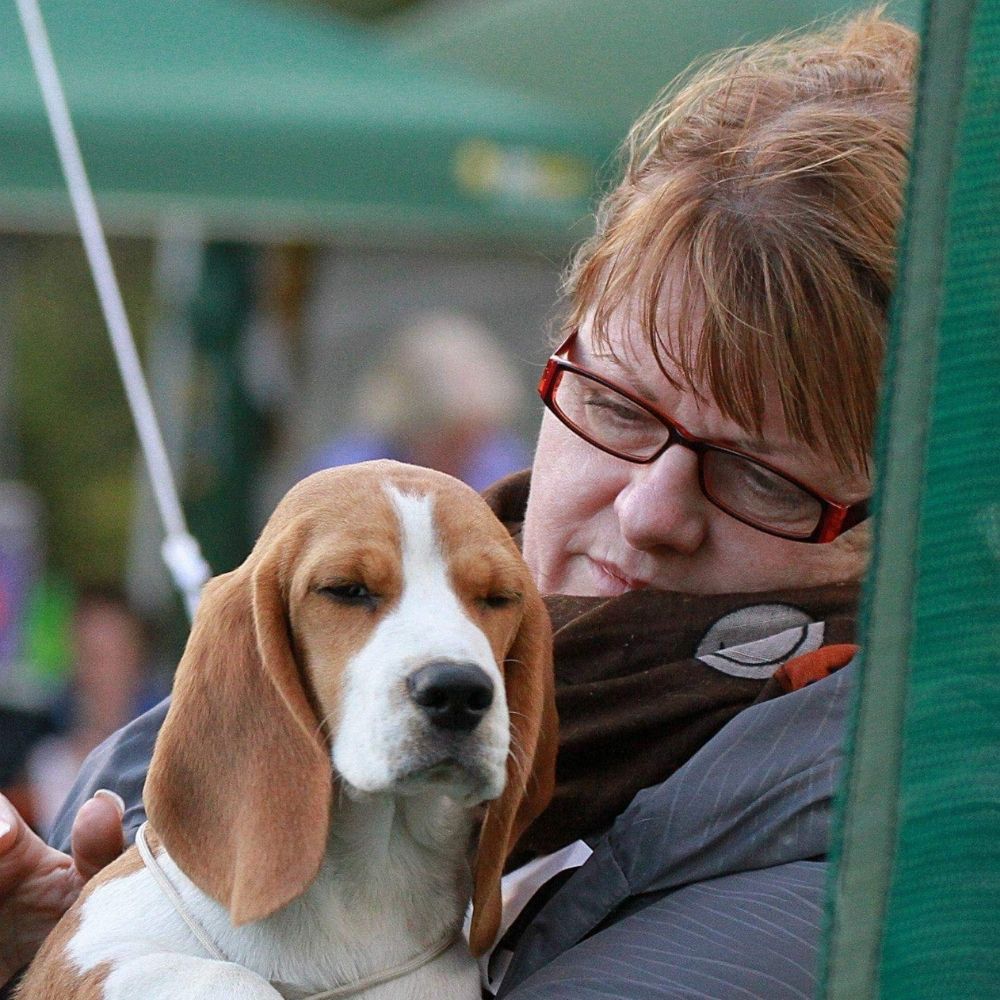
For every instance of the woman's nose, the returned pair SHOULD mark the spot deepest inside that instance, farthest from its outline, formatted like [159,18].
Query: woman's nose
[662,505]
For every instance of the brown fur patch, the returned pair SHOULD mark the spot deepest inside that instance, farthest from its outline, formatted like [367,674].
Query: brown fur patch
[355,542]
[51,976]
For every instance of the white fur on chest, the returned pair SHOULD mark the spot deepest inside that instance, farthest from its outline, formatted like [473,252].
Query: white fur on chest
[389,887]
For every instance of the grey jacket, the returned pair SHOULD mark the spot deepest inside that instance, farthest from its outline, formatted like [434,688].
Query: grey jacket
[711,884]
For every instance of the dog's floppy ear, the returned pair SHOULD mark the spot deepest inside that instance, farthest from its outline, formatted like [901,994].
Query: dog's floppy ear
[240,785]
[531,765]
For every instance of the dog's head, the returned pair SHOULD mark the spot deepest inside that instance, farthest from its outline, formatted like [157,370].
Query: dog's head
[384,633]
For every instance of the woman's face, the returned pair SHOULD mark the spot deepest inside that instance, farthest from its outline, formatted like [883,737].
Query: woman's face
[597,525]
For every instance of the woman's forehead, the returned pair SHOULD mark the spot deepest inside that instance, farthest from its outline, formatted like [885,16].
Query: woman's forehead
[623,338]
[622,352]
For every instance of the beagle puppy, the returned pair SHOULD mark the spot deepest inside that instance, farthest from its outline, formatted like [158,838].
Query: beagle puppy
[352,699]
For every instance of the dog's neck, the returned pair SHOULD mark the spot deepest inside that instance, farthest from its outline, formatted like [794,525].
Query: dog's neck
[395,880]
[370,830]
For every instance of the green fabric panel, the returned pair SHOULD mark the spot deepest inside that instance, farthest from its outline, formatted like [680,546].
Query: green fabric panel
[942,934]
[916,897]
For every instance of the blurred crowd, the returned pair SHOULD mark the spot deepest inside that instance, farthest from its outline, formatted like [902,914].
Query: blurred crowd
[108,679]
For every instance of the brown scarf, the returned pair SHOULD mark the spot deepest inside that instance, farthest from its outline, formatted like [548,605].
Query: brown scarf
[635,700]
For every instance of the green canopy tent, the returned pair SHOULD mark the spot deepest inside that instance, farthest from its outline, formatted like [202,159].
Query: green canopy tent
[602,58]
[262,119]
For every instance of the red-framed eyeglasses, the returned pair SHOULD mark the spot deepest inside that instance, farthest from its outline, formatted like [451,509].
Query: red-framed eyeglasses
[754,492]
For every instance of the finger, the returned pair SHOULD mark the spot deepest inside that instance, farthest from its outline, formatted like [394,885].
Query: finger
[97,837]
[37,885]
[9,825]
[21,849]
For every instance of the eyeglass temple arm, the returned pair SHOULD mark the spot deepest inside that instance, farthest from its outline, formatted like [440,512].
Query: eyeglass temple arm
[839,519]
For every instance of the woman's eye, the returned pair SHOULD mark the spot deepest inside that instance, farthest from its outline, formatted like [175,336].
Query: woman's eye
[350,593]
[759,479]
[774,488]
[607,407]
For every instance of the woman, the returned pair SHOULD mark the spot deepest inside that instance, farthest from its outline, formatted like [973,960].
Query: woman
[698,491]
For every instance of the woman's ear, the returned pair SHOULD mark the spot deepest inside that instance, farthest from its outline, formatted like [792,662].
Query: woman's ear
[240,785]
[531,765]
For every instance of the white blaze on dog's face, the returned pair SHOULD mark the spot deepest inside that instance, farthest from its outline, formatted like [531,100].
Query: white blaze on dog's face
[402,626]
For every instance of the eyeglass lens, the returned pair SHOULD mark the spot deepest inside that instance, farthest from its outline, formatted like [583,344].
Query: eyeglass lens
[737,484]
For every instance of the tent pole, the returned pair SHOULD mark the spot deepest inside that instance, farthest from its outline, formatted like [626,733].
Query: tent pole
[178,260]
[180,550]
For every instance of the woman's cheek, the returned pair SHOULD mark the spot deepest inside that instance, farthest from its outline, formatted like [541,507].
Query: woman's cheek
[551,515]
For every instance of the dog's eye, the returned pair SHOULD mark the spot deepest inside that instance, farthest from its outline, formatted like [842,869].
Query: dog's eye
[501,599]
[356,594]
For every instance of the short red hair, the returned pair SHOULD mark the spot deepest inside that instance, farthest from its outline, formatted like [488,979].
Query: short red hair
[771,179]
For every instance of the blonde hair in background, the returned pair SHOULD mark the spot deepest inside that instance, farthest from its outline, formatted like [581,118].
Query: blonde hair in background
[770,182]
[440,367]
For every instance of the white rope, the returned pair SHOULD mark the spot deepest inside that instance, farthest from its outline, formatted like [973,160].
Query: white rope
[203,937]
[167,888]
[180,550]
[386,975]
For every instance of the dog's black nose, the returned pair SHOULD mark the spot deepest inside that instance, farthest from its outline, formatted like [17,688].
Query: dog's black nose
[452,695]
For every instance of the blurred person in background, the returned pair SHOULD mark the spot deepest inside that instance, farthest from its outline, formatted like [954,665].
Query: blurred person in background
[443,396]
[110,684]
[35,658]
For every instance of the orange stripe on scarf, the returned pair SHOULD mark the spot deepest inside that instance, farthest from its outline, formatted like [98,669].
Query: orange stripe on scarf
[811,667]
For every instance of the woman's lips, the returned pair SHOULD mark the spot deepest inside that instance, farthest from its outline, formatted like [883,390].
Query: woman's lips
[611,581]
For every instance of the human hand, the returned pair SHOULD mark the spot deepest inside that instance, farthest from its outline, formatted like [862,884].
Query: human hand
[38,883]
